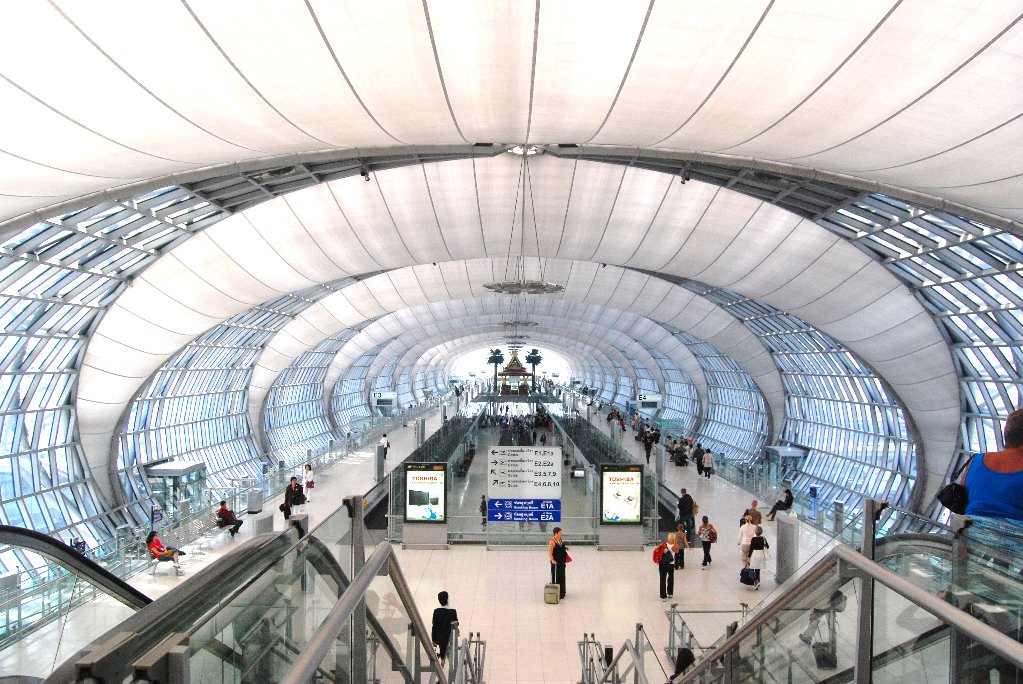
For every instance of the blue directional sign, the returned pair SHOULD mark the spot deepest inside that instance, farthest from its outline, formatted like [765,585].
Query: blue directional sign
[524,510]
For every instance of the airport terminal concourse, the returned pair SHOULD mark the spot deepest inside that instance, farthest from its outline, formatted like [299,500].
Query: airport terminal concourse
[240,237]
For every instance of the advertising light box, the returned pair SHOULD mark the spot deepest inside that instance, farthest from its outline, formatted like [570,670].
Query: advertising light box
[621,490]
[424,492]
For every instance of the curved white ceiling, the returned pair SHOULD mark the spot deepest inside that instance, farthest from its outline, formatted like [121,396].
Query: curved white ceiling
[919,93]
[461,216]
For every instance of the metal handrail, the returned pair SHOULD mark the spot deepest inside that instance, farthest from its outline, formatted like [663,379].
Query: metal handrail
[305,666]
[980,632]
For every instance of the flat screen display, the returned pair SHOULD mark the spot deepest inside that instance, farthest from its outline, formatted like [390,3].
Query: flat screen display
[621,491]
[424,492]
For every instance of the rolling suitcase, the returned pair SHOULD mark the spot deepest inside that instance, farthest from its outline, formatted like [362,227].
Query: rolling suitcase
[551,592]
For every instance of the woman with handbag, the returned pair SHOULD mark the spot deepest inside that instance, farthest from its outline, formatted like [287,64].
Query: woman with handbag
[708,535]
[557,554]
[307,481]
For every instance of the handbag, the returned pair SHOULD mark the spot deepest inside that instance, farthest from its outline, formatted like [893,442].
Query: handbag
[281,508]
[568,559]
[311,485]
[954,496]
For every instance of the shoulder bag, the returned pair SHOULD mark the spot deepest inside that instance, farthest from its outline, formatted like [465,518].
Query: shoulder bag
[954,496]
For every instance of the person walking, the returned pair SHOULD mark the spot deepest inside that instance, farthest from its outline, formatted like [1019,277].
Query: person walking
[698,458]
[557,554]
[666,568]
[440,631]
[385,444]
[648,446]
[685,511]
[758,547]
[754,514]
[681,544]
[708,463]
[483,509]
[708,535]
[746,534]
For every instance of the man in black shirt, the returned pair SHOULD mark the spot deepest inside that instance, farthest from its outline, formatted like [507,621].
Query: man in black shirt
[443,617]
[685,512]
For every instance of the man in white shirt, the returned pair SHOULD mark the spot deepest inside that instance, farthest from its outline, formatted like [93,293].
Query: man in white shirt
[385,444]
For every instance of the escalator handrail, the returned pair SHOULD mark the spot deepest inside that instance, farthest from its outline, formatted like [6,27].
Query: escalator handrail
[75,563]
[143,630]
[980,632]
[336,620]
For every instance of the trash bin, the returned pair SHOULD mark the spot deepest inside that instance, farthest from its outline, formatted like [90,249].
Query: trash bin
[255,501]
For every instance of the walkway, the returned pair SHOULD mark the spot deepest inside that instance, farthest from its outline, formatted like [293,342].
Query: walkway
[498,592]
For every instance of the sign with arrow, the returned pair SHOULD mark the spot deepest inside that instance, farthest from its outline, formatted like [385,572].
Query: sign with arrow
[524,472]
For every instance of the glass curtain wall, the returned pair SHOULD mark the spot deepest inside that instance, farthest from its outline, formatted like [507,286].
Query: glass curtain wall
[735,419]
[681,402]
[835,406]
[966,273]
[294,419]
[57,277]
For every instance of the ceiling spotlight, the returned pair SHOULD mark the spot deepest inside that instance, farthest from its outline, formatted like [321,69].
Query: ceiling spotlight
[526,150]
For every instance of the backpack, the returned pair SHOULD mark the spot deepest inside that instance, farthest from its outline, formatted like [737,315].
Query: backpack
[659,553]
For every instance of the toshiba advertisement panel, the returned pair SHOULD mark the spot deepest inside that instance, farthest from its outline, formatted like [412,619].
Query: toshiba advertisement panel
[621,489]
[424,492]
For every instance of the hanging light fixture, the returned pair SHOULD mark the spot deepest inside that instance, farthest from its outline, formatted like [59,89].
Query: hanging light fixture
[518,284]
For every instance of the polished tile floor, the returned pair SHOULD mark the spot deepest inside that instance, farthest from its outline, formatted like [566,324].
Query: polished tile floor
[498,592]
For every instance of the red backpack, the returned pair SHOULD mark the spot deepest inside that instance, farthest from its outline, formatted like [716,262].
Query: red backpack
[659,553]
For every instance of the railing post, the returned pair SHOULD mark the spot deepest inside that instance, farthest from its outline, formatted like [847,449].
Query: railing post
[865,616]
[354,506]
[730,656]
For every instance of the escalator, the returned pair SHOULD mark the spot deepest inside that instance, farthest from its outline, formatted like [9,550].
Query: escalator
[74,563]
[912,616]
[252,615]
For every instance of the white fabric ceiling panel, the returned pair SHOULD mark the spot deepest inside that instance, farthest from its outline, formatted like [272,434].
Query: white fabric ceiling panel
[637,203]
[456,209]
[878,128]
[414,217]
[945,35]
[150,319]
[202,255]
[319,318]
[785,264]
[729,215]
[791,30]
[246,246]
[278,225]
[359,304]
[61,89]
[317,209]
[485,50]
[831,269]
[548,193]
[386,52]
[677,217]
[592,201]
[223,109]
[837,307]
[685,51]
[251,40]
[753,245]
[582,55]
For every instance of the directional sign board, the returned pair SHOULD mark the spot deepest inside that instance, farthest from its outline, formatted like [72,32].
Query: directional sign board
[524,472]
[524,510]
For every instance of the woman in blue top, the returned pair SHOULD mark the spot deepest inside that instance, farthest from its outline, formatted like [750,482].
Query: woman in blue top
[994,481]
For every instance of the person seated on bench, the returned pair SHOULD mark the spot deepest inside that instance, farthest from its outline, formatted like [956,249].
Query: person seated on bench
[781,505]
[227,518]
[159,552]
